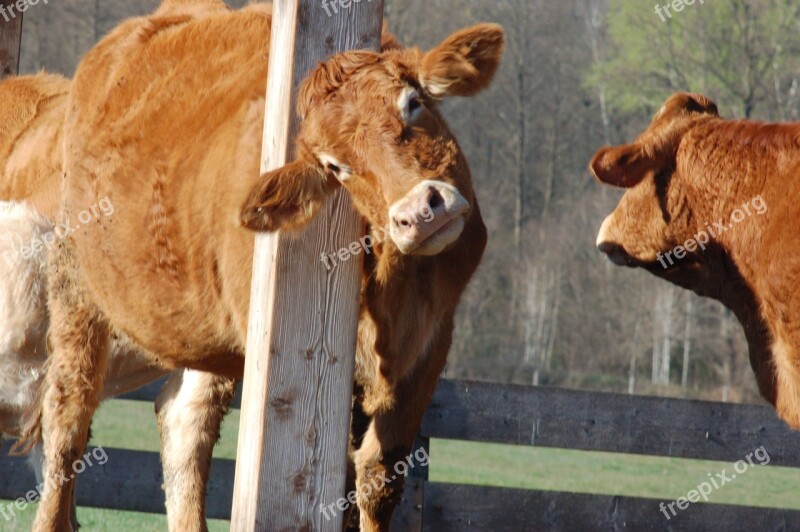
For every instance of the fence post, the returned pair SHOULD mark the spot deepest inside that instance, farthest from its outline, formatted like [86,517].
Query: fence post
[295,419]
[10,38]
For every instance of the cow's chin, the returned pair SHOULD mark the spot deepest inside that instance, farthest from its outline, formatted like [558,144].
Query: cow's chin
[617,254]
[436,243]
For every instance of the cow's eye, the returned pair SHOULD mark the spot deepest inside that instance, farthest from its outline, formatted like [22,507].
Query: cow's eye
[413,109]
[410,105]
[335,167]
[340,173]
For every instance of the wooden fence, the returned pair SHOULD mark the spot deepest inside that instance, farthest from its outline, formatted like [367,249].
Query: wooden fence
[518,415]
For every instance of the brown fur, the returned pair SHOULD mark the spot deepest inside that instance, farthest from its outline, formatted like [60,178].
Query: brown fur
[32,118]
[691,168]
[168,127]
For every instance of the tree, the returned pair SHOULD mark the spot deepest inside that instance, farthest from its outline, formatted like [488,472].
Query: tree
[743,54]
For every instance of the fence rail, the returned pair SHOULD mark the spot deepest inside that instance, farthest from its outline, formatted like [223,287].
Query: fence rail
[520,415]
[596,421]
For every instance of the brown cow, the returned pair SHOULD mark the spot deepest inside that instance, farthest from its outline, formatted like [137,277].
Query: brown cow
[712,206]
[168,127]
[30,167]
[32,116]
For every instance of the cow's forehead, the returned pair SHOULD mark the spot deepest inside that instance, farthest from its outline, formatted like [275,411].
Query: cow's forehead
[358,75]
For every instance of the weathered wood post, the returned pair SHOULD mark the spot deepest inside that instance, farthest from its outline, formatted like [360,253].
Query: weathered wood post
[10,38]
[298,382]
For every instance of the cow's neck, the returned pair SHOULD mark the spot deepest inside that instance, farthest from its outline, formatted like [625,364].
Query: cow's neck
[719,277]
[412,299]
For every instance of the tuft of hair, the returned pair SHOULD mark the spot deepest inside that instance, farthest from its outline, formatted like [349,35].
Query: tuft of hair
[331,75]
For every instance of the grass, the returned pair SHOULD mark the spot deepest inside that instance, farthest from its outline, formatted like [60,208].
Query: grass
[132,425]
[541,468]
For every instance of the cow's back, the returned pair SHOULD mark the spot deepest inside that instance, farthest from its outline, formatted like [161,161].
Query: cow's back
[165,120]
[31,123]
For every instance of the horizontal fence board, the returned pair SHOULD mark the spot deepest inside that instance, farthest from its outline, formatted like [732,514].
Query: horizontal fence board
[569,419]
[149,392]
[459,507]
[521,415]
[129,480]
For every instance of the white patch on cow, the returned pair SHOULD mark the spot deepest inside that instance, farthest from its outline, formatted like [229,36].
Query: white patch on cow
[407,97]
[787,377]
[23,306]
[335,166]
[605,231]
[181,417]
[437,89]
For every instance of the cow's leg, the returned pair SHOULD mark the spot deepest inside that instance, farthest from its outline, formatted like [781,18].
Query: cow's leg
[358,428]
[36,460]
[389,440]
[79,338]
[190,409]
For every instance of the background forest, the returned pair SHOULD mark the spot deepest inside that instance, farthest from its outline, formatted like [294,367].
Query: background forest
[546,307]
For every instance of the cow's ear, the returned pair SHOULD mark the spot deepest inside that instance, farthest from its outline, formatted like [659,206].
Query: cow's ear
[286,198]
[689,102]
[464,63]
[622,166]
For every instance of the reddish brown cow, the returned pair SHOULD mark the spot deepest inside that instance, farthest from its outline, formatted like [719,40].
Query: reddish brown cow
[32,118]
[165,124]
[712,206]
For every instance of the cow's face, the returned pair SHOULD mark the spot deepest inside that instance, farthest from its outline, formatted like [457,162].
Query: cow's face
[371,125]
[655,214]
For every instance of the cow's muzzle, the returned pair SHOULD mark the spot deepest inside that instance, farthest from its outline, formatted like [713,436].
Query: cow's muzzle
[428,219]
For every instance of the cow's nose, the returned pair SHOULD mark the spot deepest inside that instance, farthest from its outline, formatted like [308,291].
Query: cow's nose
[615,253]
[425,211]
[409,217]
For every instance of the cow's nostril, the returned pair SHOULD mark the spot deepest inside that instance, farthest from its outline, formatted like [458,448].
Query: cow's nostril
[435,200]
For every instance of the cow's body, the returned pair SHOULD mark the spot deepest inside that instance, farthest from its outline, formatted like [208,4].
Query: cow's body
[30,171]
[691,173]
[30,182]
[167,126]
[31,117]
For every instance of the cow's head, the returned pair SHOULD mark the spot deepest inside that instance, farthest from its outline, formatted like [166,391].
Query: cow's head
[371,125]
[656,213]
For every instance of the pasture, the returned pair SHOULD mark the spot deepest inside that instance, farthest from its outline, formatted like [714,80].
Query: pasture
[131,425]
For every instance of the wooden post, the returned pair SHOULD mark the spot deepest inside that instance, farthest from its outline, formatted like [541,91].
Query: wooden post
[10,38]
[295,420]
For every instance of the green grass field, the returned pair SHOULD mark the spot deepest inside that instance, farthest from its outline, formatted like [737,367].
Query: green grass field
[127,424]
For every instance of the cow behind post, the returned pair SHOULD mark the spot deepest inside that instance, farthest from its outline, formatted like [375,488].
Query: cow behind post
[711,205]
[168,128]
